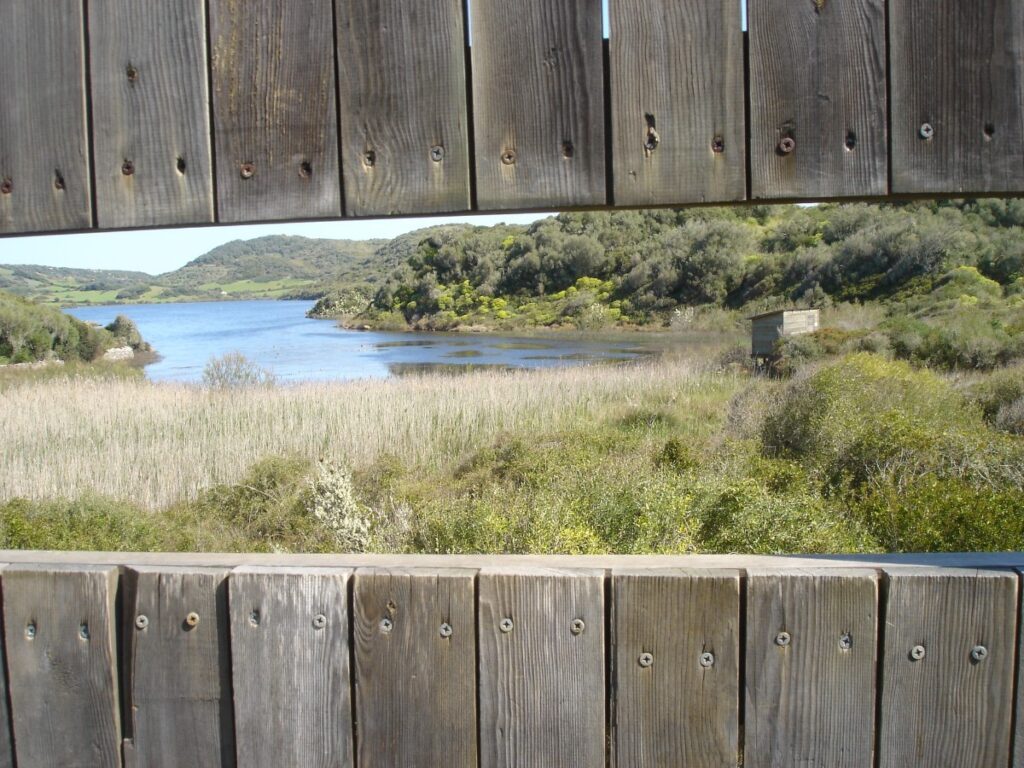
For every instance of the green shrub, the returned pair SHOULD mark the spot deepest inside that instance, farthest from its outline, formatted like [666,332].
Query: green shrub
[677,455]
[89,523]
[235,371]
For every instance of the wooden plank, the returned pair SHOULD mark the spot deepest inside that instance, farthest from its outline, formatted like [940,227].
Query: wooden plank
[44,149]
[677,92]
[542,686]
[415,657]
[62,661]
[289,650]
[151,119]
[957,68]
[403,106]
[6,739]
[810,687]
[275,116]
[538,103]
[178,669]
[680,704]
[1018,739]
[817,88]
[946,708]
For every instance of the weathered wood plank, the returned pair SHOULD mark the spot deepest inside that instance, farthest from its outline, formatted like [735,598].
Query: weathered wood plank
[679,705]
[817,98]
[957,74]
[1018,740]
[810,674]
[677,92]
[44,149]
[62,661]
[275,112]
[415,656]
[404,124]
[6,740]
[151,121]
[940,706]
[178,668]
[538,103]
[542,684]
[290,667]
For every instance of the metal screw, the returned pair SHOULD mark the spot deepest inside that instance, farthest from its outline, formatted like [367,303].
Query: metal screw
[578,626]
[783,639]
[437,153]
[132,73]
[83,631]
[446,630]
[192,619]
[369,158]
[718,145]
[505,625]
[979,653]
[646,660]
[707,660]
[6,187]
[989,130]
[927,131]
[386,625]
[30,630]
[305,169]
[128,168]
[319,621]
[508,157]
[247,171]
[141,621]
[851,141]
[917,652]
[254,618]
[568,149]
[846,642]
[58,181]
[787,145]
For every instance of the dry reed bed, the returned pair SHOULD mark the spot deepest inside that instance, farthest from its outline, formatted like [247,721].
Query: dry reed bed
[157,444]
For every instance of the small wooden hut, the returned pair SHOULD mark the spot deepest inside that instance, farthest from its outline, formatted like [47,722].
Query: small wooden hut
[768,328]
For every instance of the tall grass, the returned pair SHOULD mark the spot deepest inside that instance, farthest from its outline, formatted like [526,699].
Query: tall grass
[156,445]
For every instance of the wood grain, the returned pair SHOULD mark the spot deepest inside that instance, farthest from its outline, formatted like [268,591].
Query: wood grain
[416,674]
[150,113]
[538,103]
[62,665]
[404,123]
[6,739]
[275,112]
[44,149]
[677,711]
[811,702]
[290,667]
[958,67]
[542,687]
[947,709]
[178,673]
[677,93]
[817,78]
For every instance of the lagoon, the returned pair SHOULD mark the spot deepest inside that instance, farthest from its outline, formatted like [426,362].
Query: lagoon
[277,335]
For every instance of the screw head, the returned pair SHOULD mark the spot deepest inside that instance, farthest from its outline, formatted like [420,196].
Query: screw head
[305,169]
[254,618]
[132,73]
[646,660]
[927,131]
[979,653]
[192,619]
[141,621]
[247,170]
[319,621]
[718,145]
[6,187]
[707,660]
[508,157]
[506,625]
[783,639]
[386,625]
[369,158]
[578,626]
[437,153]
[128,168]
[845,641]
[30,630]
[446,630]
[58,181]
[787,145]
[83,631]
[917,653]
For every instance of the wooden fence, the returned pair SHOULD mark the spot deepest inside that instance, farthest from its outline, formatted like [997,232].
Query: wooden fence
[127,114]
[193,660]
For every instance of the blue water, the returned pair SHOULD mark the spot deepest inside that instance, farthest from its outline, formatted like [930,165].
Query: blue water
[277,335]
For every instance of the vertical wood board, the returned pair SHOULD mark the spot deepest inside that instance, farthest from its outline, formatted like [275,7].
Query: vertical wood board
[151,119]
[957,67]
[415,673]
[676,706]
[404,122]
[538,103]
[946,708]
[62,665]
[810,693]
[542,687]
[677,91]
[274,110]
[45,182]
[818,80]
[290,667]
[178,668]
[6,739]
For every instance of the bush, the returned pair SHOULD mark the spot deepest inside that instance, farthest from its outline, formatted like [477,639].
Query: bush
[331,501]
[1010,417]
[235,371]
